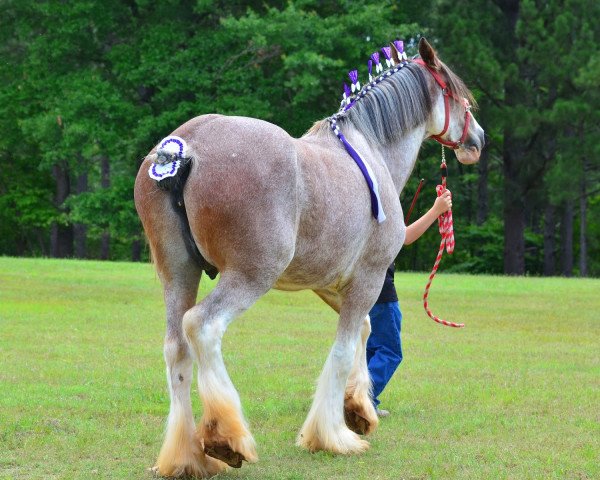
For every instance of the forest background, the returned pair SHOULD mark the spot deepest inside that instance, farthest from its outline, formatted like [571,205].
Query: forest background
[87,88]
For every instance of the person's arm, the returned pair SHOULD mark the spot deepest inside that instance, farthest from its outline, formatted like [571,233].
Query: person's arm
[442,204]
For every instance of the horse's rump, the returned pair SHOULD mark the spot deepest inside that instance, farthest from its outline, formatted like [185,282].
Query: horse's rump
[241,192]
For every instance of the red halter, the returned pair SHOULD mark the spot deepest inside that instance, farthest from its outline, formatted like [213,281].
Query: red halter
[447,94]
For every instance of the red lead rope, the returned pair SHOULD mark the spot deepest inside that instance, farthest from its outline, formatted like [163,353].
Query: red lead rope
[446,228]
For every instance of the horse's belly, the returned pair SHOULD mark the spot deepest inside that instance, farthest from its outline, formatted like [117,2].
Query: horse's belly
[304,279]
[323,260]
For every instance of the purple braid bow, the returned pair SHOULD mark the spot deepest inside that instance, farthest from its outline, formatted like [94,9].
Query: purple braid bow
[399,44]
[353,74]
[347,94]
[387,51]
[378,66]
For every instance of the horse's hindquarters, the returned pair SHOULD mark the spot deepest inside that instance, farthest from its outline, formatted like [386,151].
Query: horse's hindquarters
[242,208]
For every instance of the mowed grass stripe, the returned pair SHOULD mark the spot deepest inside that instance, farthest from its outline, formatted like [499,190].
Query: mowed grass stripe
[515,394]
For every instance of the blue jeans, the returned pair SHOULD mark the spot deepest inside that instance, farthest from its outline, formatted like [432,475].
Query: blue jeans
[384,346]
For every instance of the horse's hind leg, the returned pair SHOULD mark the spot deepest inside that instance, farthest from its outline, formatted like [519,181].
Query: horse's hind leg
[181,453]
[325,427]
[359,413]
[222,428]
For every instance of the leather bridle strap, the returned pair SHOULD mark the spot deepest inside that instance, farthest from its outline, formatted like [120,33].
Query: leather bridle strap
[447,94]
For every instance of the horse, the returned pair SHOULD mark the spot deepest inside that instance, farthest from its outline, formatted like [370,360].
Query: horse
[270,211]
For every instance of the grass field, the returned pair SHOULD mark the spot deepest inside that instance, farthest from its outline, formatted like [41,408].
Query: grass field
[514,395]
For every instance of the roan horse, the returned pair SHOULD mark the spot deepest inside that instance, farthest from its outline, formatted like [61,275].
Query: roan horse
[271,211]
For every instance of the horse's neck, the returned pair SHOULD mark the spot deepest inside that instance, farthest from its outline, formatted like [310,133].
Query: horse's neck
[401,157]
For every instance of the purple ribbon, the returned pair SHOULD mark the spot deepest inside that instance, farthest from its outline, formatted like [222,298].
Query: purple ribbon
[376,208]
[160,175]
[347,90]
[353,74]
[363,169]
[175,141]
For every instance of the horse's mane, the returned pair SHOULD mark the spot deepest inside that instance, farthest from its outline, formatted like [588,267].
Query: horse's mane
[456,85]
[395,106]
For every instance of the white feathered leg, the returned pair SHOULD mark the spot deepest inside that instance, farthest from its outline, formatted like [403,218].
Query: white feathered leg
[359,411]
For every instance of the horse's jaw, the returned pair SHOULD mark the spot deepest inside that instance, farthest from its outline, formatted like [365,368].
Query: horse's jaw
[467,156]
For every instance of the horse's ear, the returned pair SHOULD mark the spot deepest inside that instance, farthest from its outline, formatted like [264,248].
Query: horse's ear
[395,54]
[428,54]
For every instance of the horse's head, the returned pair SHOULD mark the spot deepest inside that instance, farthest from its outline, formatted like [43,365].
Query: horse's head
[451,122]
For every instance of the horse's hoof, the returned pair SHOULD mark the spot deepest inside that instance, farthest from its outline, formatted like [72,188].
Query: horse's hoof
[225,454]
[356,423]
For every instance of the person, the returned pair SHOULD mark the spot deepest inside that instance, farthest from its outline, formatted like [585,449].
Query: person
[384,345]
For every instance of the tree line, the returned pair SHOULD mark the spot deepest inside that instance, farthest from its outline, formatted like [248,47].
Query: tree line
[88,88]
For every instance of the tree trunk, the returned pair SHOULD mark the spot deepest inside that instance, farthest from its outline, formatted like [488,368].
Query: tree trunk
[549,244]
[61,236]
[136,250]
[482,187]
[512,155]
[514,239]
[583,264]
[105,245]
[514,207]
[42,241]
[567,240]
[80,229]
[80,236]
[105,183]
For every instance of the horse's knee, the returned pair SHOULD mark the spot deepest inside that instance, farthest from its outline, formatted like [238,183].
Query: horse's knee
[343,356]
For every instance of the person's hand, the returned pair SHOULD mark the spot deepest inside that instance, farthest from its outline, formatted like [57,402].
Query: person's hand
[443,203]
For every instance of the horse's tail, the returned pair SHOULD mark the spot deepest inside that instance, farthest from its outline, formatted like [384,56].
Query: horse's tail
[171,169]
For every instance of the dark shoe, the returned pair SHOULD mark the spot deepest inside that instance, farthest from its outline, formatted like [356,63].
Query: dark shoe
[382,413]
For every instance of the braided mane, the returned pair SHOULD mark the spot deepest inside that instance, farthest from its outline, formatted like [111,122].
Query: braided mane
[395,105]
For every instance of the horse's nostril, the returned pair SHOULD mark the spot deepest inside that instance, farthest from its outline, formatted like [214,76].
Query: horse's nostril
[473,143]
[477,142]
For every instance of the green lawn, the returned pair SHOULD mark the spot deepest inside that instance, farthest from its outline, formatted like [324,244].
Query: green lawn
[514,395]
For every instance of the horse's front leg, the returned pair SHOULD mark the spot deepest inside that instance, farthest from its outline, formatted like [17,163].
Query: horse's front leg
[325,427]
[359,411]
